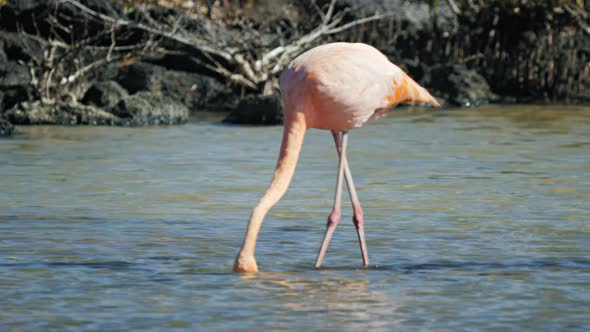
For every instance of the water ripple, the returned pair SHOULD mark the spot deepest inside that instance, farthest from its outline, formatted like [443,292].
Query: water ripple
[475,220]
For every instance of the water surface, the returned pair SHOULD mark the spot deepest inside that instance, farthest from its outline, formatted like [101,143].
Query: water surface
[475,220]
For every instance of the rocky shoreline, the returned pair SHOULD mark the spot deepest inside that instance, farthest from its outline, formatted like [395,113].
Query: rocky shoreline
[104,63]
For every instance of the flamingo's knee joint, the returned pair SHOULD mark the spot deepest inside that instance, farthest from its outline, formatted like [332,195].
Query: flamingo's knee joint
[358,218]
[334,218]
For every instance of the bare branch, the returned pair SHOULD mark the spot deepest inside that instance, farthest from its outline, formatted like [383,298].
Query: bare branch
[318,9]
[190,41]
[328,15]
[113,43]
[454,7]
[75,76]
[357,22]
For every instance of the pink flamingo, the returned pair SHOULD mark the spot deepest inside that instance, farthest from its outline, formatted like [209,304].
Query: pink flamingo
[335,87]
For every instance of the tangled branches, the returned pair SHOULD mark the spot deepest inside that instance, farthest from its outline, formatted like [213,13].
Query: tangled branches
[235,60]
[71,47]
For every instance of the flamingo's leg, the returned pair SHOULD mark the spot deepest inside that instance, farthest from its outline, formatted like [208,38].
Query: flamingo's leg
[358,218]
[334,216]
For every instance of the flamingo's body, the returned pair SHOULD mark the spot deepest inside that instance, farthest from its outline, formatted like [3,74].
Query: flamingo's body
[335,87]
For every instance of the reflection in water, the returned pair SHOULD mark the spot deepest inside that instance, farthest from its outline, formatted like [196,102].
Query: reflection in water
[325,298]
[475,219]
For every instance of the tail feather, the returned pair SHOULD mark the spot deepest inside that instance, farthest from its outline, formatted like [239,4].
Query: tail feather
[413,93]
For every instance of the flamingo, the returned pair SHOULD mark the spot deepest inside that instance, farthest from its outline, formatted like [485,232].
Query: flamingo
[336,87]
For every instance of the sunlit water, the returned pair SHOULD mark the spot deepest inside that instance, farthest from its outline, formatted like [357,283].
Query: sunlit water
[475,220]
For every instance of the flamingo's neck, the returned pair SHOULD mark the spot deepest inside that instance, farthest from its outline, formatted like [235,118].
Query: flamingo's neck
[293,133]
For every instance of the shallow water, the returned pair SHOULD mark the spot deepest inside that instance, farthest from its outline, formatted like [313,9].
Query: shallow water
[475,220]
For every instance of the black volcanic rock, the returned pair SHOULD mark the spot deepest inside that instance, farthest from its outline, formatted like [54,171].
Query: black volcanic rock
[257,110]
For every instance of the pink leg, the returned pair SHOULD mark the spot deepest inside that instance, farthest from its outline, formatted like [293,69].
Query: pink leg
[334,216]
[358,218]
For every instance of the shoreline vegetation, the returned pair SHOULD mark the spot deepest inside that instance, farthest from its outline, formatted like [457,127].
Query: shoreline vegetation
[133,63]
